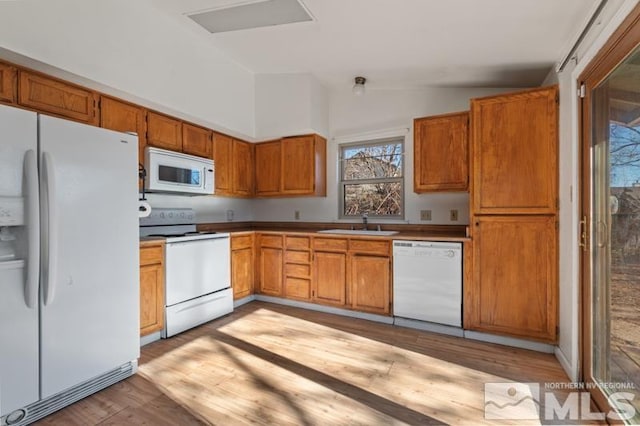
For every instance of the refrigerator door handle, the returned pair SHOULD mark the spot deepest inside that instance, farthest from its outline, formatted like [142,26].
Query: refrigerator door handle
[33,229]
[49,180]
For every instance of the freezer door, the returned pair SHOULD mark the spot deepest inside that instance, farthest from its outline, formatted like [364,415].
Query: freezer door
[18,323]
[90,275]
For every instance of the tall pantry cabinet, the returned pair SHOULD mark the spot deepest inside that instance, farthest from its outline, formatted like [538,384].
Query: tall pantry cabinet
[514,215]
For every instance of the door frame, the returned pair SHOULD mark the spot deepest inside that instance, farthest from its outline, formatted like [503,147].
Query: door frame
[618,47]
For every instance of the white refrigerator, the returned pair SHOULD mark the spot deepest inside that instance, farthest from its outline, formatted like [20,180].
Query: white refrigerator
[69,277]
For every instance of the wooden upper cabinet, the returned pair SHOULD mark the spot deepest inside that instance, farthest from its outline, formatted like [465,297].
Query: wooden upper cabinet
[298,165]
[243,168]
[56,97]
[164,131]
[124,117]
[196,140]
[292,166]
[514,288]
[441,153]
[8,83]
[222,158]
[515,151]
[234,166]
[268,168]
[304,166]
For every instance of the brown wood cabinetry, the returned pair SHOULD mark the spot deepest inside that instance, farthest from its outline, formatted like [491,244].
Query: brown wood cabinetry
[124,117]
[370,283]
[270,264]
[151,288]
[8,83]
[297,267]
[243,168]
[370,275]
[515,153]
[304,165]
[164,132]
[52,96]
[441,153]
[242,265]
[514,193]
[291,166]
[330,278]
[515,276]
[234,166]
[223,163]
[268,168]
[196,140]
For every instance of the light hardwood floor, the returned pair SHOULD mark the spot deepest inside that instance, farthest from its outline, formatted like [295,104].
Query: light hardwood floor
[271,364]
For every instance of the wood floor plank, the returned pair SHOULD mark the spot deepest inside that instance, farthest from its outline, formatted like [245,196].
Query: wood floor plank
[273,364]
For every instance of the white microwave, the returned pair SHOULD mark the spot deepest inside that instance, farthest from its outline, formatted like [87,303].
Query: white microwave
[169,171]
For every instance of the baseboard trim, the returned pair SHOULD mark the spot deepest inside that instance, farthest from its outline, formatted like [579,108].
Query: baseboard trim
[510,341]
[566,365]
[326,309]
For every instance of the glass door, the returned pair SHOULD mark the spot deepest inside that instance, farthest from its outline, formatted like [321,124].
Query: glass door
[612,340]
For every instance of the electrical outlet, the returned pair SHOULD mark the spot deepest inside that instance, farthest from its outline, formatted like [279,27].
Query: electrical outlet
[230,215]
[425,214]
[297,214]
[453,215]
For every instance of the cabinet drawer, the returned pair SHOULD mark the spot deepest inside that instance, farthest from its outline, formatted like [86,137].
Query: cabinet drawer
[297,257]
[297,243]
[292,270]
[271,241]
[151,255]
[297,288]
[370,247]
[330,244]
[241,241]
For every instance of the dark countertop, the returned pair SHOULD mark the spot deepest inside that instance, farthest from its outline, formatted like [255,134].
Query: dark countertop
[457,233]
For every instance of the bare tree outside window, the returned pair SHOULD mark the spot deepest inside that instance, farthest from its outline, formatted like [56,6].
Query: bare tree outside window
[372,179]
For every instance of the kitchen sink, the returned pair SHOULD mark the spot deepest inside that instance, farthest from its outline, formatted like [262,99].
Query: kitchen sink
[357,232]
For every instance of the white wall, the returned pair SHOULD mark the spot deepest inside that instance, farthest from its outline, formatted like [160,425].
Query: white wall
[370,116]
[132,50]
[568,351]
[290,104]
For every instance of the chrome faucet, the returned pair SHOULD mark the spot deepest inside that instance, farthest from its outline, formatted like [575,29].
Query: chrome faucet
[365,219]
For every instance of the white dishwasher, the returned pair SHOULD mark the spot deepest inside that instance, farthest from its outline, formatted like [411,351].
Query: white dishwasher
[427,281]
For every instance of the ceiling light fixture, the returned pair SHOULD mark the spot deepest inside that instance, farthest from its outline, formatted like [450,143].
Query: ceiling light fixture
[358,88]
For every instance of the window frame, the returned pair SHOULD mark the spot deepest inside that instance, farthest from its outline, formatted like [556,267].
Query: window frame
[342,183]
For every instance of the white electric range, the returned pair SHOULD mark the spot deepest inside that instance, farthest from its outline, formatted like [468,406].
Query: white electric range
[197,269]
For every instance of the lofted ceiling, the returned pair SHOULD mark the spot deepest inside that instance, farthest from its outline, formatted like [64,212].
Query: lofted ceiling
[405,43]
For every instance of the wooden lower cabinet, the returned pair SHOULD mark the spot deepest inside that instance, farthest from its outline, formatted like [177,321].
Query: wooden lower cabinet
[330,278]
[151,288]
[514,290]
[270,264]
[370,283]
[242,265]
